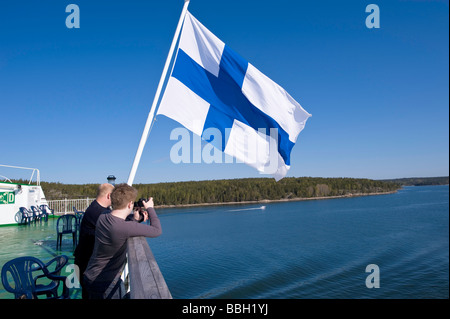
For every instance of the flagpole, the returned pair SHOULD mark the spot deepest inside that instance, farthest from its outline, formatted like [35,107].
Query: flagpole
[151,115]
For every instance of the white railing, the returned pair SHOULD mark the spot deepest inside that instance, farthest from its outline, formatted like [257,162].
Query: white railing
[33,170]
[64,206]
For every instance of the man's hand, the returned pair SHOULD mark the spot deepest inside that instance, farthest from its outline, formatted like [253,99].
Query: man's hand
[138,217]
[148,203]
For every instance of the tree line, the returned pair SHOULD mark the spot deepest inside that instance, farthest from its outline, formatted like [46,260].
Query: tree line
[233,190]
[256,189]
[420,181]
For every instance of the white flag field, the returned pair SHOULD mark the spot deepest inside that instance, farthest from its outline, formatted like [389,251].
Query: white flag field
[215,93]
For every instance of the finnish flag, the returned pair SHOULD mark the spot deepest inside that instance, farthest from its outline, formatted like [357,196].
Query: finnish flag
[212,87]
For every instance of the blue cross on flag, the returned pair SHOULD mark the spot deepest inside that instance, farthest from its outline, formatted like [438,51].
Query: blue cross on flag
[211,86]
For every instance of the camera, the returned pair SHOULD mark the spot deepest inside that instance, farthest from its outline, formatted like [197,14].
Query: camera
[139,205]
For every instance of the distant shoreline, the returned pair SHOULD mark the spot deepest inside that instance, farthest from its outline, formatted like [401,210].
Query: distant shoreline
[266,201]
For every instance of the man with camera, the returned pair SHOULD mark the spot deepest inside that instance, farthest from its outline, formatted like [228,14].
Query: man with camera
[102,276]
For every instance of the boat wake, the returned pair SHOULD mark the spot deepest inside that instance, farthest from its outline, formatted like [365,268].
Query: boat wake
[244,209]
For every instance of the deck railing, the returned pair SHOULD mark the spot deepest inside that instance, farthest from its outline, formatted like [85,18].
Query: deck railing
[64,206]
[144,276]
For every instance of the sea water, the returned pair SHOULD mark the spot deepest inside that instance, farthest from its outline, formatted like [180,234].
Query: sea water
[305,249]
[310,249]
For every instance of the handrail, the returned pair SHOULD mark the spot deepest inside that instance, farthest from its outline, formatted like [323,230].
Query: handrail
[5,178]
[145,278]
[38,176]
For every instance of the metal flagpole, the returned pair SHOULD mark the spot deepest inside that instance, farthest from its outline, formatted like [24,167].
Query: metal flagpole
[151,115]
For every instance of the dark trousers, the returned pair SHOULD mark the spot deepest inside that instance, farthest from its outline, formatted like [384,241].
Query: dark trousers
[82,267]
[116,290]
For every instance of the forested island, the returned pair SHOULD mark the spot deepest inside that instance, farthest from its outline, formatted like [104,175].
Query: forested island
[235,190]
[419,181]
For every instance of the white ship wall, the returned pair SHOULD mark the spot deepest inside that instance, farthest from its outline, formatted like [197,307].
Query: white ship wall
[24,196]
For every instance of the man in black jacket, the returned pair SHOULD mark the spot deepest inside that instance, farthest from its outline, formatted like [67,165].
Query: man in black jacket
[85,246]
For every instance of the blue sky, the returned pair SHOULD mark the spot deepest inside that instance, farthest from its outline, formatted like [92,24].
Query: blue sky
[73,102]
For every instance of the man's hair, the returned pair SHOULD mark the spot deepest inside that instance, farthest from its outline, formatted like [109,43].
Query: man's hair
[121,195]
[104,189]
